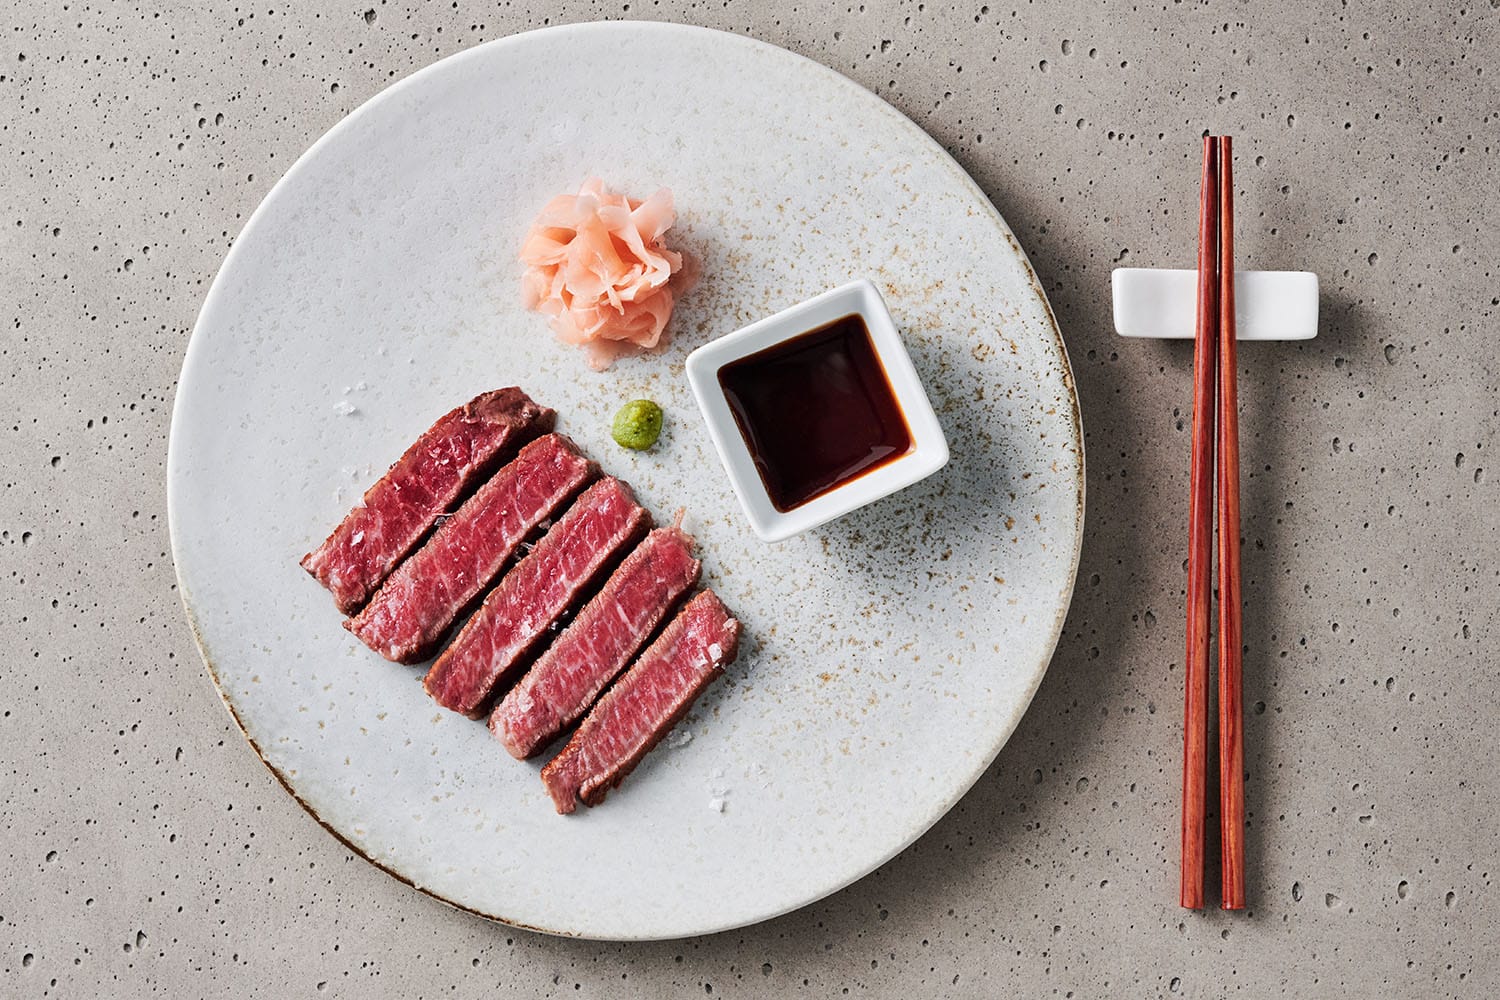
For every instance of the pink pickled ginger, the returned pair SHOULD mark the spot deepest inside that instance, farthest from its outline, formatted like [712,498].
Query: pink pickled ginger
[596,264]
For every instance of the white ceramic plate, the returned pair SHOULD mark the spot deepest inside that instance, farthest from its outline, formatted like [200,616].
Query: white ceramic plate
[890,653]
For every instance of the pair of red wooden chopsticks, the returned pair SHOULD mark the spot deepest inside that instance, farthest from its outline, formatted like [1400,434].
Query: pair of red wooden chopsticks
[1215,415]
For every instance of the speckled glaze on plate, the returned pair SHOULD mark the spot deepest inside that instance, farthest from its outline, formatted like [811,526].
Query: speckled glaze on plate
[890,654]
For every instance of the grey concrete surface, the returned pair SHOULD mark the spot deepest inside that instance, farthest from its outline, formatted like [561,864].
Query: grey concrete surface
[149,852]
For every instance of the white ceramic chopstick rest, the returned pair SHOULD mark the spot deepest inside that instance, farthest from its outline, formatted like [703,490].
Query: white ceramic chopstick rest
[1160,303]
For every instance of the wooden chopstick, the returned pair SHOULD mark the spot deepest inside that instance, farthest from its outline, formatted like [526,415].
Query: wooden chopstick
[1200,537]
[1231,710]
[1215,423]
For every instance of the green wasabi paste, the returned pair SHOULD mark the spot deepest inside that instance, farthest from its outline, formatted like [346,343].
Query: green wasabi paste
[637,425]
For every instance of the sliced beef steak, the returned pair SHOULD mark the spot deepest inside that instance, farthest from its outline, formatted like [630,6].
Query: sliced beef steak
[564,682]
[644,704]
[408,617]
[497,642]
[435,473]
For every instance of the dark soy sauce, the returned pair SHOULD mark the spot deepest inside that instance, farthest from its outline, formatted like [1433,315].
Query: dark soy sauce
[816,411]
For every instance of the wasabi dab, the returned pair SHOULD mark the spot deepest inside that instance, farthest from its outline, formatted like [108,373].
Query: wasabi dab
[637,425]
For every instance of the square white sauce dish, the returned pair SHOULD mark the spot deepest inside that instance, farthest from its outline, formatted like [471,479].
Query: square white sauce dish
[816,411]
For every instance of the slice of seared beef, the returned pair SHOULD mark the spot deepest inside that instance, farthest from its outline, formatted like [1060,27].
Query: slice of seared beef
[497,642]
[644,704]
[435,473]
[408,617]
[564,682]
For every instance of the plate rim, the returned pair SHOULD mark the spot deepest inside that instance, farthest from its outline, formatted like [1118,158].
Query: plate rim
[899,120]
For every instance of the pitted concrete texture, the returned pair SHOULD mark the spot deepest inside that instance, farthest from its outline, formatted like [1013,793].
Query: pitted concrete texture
[151,853]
